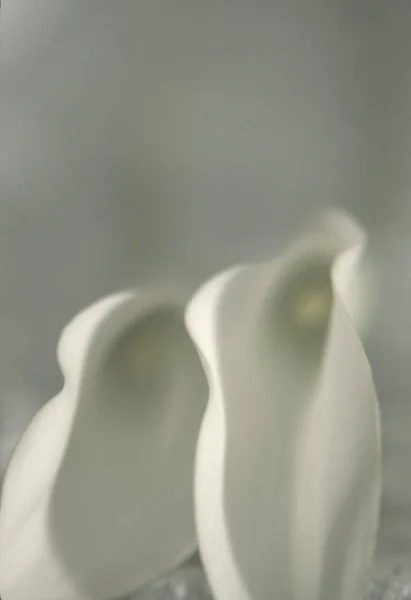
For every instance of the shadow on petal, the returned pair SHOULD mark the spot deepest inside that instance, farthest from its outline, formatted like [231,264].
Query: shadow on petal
[104,473]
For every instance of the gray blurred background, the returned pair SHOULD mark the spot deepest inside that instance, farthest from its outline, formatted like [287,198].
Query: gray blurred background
[152,139]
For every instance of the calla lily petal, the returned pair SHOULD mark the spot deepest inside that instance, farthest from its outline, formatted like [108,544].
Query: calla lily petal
[353,272]
[287,476]
[98,495]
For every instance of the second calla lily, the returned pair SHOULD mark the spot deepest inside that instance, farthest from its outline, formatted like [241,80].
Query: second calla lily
[97,499]
[288,461]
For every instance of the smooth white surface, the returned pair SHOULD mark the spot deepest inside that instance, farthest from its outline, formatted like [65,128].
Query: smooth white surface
[98,495]
[288,460]
[169,137]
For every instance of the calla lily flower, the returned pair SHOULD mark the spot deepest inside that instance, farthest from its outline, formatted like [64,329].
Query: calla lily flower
[287,483]
[98,495]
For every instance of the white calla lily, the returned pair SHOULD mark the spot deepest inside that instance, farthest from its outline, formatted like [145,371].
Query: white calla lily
[98,495]
[287,475]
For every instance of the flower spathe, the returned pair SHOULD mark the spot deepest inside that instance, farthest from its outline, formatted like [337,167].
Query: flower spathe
[97,499]
[287,482]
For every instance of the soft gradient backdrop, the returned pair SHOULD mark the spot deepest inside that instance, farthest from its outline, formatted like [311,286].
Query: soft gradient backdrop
[168,138]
